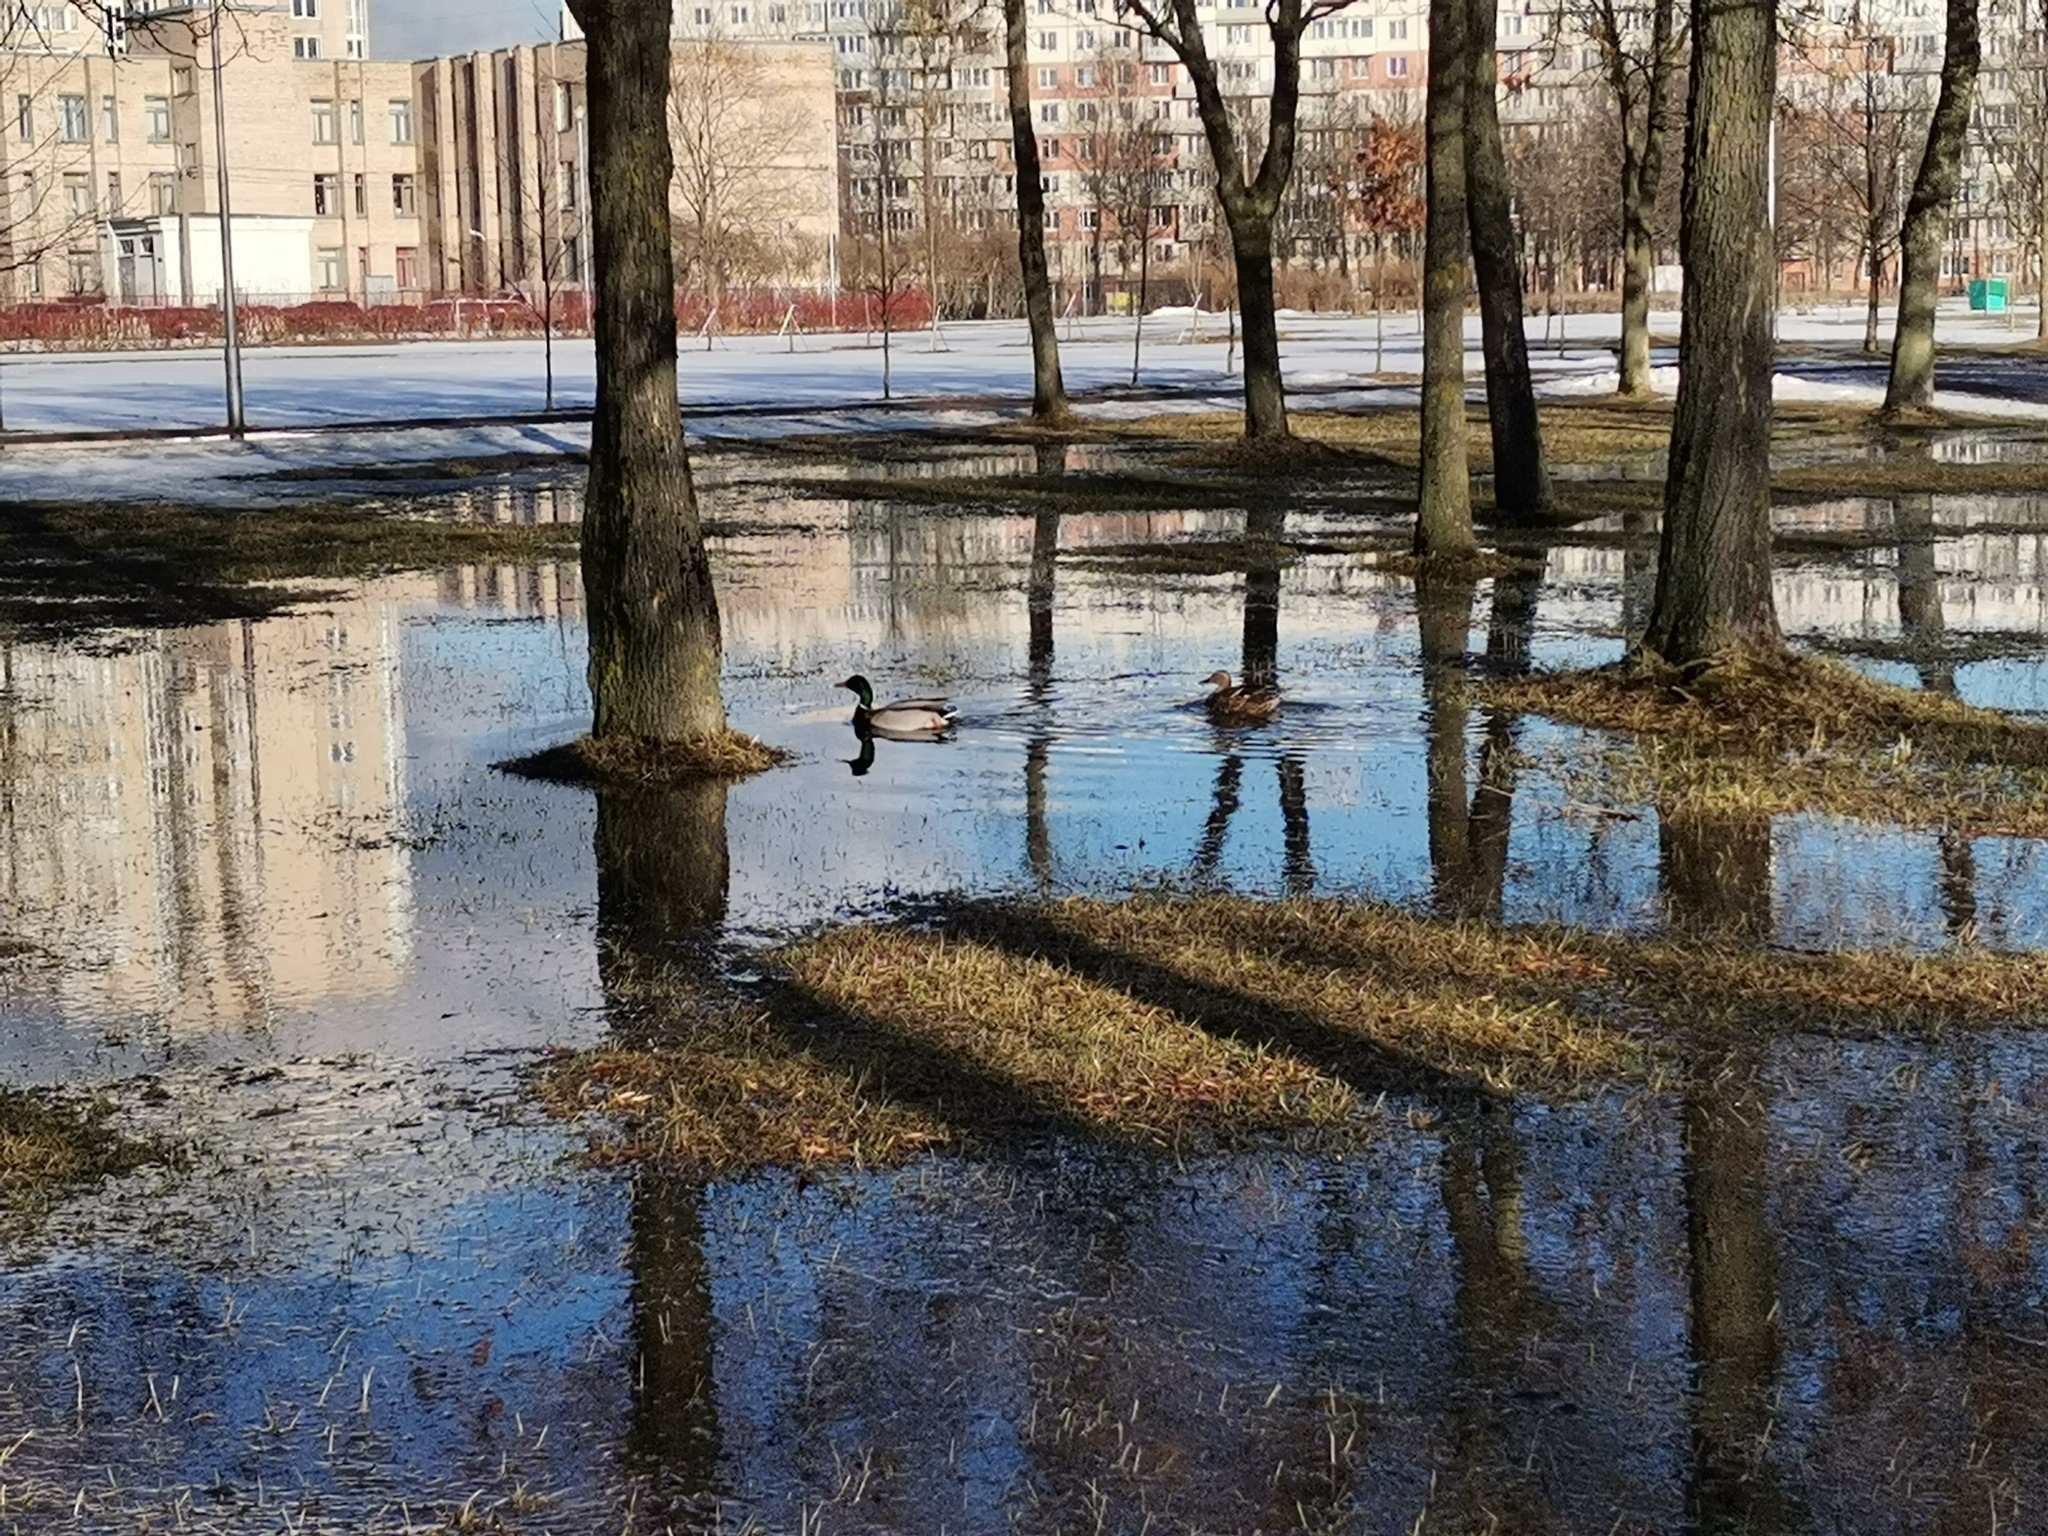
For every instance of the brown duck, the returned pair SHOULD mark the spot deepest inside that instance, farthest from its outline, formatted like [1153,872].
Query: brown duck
[1233,705]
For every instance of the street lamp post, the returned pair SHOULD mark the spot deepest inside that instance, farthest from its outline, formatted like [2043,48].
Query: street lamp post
[231,343]
[230,319]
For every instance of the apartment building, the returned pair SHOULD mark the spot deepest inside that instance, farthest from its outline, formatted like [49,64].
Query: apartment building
[109,155]
[503,163]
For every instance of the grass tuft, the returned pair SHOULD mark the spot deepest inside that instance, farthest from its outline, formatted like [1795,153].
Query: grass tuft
[645,760]
[1801,735]
[46,1144]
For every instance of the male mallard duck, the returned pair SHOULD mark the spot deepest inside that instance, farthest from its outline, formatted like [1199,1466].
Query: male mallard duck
[904,717]
[1240,706]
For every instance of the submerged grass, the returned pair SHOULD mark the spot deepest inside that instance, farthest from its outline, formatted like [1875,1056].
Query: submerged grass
[1172,1023]
[649,760]
[1804,735]
[48,1144]
[72,568]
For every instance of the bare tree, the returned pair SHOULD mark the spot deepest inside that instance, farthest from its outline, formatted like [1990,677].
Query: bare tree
[2014,131]
[1911,386]
[655,643]
[1849,132]
[1714,557]
[739,140]
[1048,389]
[1250,197]
[1521,479]
[1639,68]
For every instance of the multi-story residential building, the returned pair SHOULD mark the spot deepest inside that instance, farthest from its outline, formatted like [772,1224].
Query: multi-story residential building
[110,155]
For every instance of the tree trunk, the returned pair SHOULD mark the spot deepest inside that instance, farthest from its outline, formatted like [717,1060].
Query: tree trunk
[1048,390]
[1934,189]
[1443,524]
[1714,558]
[1521,481]
[1638,261]
[1642,177]
[1265,399]
[655,646]
[1871,269]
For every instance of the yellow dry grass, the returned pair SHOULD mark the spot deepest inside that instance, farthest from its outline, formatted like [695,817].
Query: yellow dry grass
[1804,735]
[1172,1023]
[649,760]
[44,1145]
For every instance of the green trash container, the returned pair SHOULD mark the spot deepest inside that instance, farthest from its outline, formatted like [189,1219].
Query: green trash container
[1990,295]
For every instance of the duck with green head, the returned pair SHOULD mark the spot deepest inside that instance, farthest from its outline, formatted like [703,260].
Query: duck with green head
[913,718]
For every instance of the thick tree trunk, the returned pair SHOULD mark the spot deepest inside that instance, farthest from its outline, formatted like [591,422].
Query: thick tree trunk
[1934,189]
[1714,566]
[1521,480]
[1443,524]
[655,647]
[1048,389]
[1265,398]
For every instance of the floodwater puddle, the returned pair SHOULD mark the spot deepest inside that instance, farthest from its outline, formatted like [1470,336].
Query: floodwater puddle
[291,918]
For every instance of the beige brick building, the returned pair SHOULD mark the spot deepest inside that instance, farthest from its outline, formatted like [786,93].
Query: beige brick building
[349,179]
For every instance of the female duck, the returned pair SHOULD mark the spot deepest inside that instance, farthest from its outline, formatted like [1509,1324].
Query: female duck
[1233,705]
[904,717]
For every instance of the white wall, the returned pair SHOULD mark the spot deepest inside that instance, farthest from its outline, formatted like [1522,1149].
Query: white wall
[272,256]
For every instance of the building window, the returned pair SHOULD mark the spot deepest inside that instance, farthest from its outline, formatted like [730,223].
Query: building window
[330,266]
[306,47]
[355,122]
[113,194]
[1084,77]
[1048,149]
[1052,220]
[156,114]
[25,117]
[569,183]
[78,195]
[1049,41]
[401,122]
[565,109]
[408,266]
[163,193]
[1397,30]
[110,120]
[1091,218]
[1048,79]
[404,197]
[71,124]
[83,271]
[32,279]
[740,15]
[327,195]
[1048,111]
[306,10]
[1397,67]
[702,15]
[181,79]
[323,122]
[362,191]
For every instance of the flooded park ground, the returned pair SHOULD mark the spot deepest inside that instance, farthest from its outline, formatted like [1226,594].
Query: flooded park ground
[270,902]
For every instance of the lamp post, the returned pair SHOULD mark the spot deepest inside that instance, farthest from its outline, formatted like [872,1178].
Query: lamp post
[230,319]
[231,343]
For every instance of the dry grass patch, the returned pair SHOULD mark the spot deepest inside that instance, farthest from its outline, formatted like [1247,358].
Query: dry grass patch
[649,760]
[1798,704]
[1170,1023]
[1808,735]
[46,1144]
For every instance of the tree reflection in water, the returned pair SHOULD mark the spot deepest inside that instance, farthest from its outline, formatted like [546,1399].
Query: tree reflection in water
[662,878]
[1718,885]
[1468,825]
